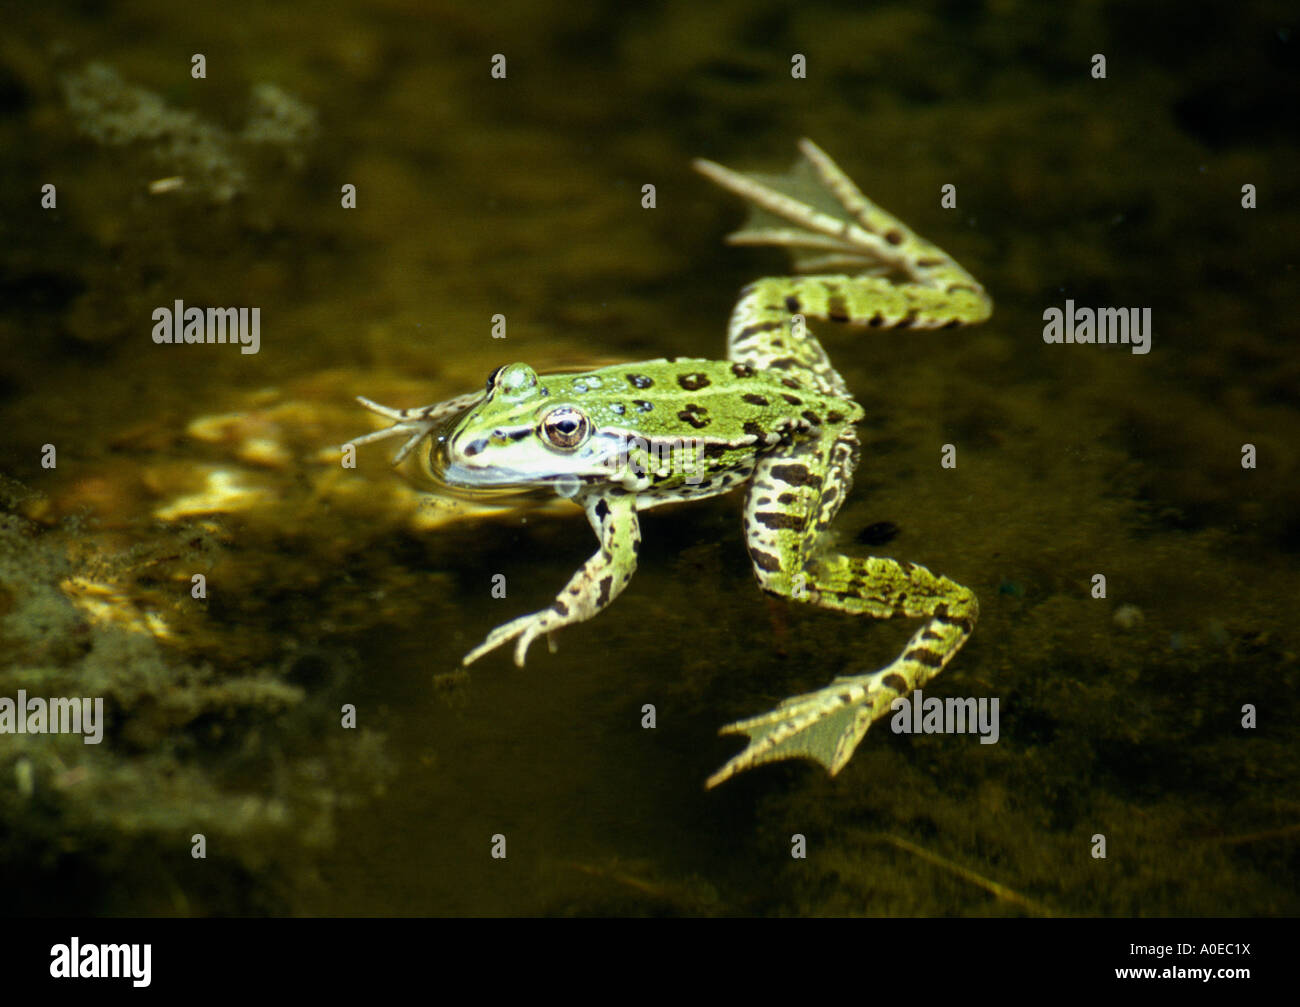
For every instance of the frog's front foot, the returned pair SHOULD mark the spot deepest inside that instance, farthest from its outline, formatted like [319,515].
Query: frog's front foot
[527,628]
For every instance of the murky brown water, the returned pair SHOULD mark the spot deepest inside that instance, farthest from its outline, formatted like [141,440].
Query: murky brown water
[521,196]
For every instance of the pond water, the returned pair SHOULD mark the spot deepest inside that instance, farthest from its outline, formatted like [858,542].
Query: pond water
[1152,711]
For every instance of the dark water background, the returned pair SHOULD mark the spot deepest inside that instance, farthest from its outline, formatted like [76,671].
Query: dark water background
[1120,717]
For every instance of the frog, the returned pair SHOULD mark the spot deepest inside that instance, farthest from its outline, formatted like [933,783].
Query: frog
[774,418]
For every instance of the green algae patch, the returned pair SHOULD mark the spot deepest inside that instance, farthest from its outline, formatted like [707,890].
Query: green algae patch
[192,153]
[190,756]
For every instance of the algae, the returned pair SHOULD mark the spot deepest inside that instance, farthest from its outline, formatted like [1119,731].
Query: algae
[242,758]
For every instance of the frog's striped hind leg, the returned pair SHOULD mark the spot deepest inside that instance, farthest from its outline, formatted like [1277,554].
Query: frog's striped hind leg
[827,725]
[775,342]
[788,507]
[899,279]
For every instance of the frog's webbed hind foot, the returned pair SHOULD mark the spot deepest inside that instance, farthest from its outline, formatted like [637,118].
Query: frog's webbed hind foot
[891,276]
[416,424]
[824,726]
[819,214]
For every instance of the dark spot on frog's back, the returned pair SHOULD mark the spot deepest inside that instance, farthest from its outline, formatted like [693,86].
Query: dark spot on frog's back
[640,381]
[742,370]
[605,585]
[642,406]
[792,305]
[755,400]
[693,382]
[752,429]
[696,415]
[602,509]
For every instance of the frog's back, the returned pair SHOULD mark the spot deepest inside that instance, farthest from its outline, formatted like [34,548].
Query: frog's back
[680,396]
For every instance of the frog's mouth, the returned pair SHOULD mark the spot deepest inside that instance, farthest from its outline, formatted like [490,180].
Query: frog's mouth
[476,482]
[473,479]
[458,467]
[503,484]
[464,477]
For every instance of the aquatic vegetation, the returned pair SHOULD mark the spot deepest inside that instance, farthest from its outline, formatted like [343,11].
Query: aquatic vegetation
[184,749]
[206,157]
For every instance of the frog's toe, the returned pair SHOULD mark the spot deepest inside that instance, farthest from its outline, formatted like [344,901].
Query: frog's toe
[523,631]
[483,648]
[501,635]
[525,641]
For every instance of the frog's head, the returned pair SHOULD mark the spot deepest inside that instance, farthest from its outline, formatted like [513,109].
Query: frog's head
[520,436]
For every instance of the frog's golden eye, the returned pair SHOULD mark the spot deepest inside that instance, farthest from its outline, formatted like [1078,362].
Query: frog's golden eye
[565,427]
[493,376]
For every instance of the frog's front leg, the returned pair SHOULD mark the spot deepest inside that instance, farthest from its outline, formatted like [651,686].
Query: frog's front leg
[601,579]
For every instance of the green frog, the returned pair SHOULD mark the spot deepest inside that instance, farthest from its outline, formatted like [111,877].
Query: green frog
[775,418]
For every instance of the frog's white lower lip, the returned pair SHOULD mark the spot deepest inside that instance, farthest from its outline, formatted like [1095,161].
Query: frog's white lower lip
[465,476]
[474,484]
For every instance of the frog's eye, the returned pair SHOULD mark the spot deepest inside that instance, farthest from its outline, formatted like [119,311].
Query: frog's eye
[565,427]
[514,382]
